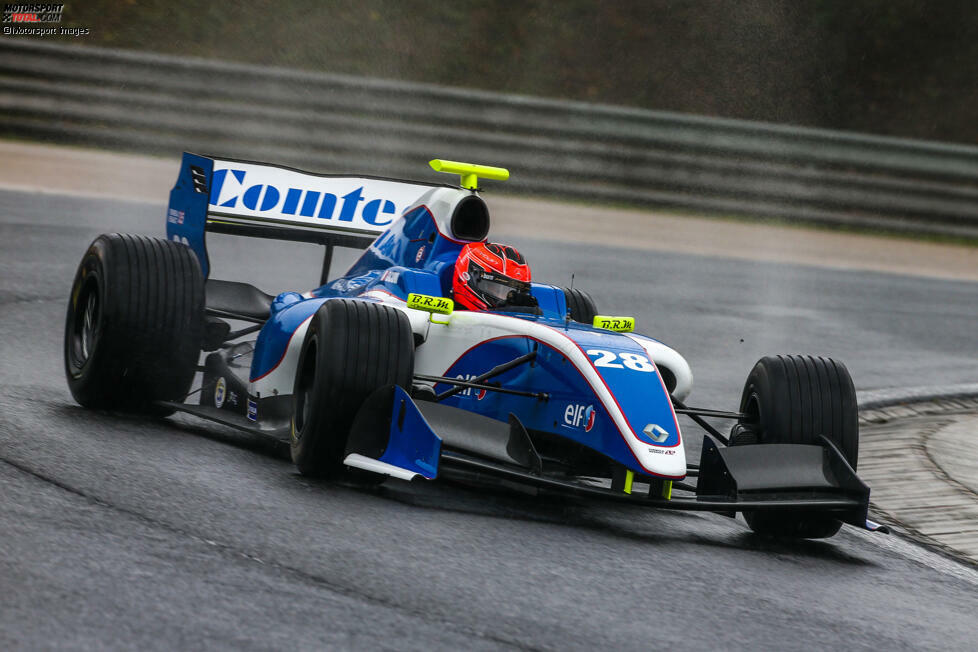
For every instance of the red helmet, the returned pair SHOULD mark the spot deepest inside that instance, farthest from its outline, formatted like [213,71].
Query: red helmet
[488,275]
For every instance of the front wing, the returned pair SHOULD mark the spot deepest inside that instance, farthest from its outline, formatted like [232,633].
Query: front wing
[395,436]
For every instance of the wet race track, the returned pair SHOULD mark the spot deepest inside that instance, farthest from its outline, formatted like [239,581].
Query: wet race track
[126,533]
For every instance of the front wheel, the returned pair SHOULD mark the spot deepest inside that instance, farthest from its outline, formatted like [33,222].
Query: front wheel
[794,399]
[352,348]
[580,306]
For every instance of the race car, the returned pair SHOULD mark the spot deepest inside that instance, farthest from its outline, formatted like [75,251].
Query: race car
[436,355]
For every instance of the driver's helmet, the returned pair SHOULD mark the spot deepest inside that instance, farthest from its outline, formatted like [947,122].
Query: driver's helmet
[490,275]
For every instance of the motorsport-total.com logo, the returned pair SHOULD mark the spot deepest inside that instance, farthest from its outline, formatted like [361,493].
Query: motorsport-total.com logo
[32,13]
[36,19]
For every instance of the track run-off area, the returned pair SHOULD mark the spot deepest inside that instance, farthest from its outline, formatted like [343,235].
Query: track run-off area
[121,533]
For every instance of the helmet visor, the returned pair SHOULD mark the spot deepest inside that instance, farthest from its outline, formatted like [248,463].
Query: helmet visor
[494,288]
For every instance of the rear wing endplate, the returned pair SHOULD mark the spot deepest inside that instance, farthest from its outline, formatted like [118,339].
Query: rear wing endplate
[269,201]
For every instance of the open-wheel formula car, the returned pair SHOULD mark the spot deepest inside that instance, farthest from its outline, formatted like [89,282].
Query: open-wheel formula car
[435,355]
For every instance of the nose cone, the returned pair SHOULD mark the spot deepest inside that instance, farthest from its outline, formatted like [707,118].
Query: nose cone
[669,462]
[636,399]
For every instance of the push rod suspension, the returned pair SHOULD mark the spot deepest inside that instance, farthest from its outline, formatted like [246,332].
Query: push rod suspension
[492,373]
[703,412]
[703,423]
[233,335]
[462,385]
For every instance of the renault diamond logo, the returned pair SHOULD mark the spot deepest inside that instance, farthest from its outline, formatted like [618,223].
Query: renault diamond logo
[656,432]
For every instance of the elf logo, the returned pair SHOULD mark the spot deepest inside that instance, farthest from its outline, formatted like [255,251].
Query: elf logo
[577,415]
[471,391]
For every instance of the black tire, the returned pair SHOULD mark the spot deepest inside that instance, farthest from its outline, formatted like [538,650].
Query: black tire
[351,349]
[792,399]
[134,324]
[580,305]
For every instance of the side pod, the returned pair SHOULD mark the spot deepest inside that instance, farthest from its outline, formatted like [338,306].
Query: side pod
[762,473]
[390,436]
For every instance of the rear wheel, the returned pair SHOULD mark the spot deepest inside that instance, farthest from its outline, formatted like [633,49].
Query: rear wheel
[134,323]
[793,399]
[351,349]
[580,306]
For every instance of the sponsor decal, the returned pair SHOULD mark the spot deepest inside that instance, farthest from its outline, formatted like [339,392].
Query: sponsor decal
[577,415]
[428,303]
[353,284]
[220,392]
[252,410]
[662,451]
[233,399]
[264,191]
[173,216]
[391,276]
[656,433]
[617,324]
[479,394]
[419,255]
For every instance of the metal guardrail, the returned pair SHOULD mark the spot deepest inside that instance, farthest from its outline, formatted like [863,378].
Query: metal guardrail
[338,123]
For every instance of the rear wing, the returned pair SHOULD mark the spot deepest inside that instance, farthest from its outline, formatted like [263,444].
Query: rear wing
[269,201]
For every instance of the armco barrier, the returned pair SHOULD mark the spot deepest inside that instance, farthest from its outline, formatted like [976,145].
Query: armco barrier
[330,123]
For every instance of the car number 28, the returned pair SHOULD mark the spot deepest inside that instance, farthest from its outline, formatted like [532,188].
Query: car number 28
[632,361]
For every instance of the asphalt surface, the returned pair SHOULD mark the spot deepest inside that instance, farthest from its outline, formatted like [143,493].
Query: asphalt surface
[117,532]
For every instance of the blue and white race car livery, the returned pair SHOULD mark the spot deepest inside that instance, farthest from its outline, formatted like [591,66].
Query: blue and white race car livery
[380,372]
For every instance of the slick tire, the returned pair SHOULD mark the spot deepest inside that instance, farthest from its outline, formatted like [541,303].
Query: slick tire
[792,399]
[134,324]
[580,305]
[351,349]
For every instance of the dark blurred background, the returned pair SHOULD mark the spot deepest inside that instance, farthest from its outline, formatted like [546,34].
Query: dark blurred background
[894,67]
